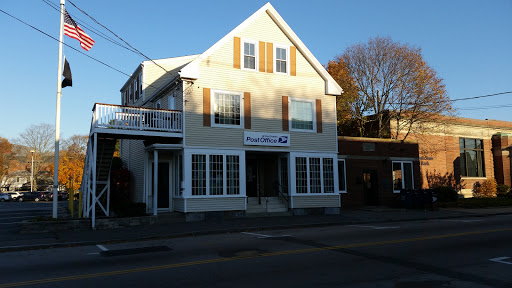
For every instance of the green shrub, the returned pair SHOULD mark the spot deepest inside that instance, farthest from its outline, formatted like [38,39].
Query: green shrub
[446,194]
[486,189]
[503,190]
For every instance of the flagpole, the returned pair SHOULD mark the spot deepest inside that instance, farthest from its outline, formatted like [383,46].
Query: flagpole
[57,116]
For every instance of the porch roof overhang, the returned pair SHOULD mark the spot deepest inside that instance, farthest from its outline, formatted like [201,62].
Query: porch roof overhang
[171,147]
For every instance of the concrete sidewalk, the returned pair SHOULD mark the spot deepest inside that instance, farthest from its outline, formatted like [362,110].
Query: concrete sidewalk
[17,242]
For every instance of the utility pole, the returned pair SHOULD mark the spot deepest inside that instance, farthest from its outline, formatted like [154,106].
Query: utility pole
[32,172]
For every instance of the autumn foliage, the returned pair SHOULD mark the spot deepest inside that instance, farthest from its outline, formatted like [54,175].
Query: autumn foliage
[389,81]
[71,162]
[486,189]
[5,156]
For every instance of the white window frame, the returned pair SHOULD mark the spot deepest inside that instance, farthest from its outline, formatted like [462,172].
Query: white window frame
[158,104]
[313,106]
[287,48]
[188,172]
[344,175]
[403,174]
[125,99]
[130,93]
[256,54]
[293,173]
[212,109]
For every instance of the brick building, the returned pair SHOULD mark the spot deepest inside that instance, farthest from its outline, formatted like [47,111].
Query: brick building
[463,151]
[372,171]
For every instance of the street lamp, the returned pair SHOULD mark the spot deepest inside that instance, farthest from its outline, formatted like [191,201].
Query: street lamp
[32,171]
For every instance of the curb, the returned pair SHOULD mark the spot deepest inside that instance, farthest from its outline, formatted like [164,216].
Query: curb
[230,230]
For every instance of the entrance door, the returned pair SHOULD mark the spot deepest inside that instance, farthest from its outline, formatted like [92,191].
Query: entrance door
[370,188]
[163,185]
[252,178]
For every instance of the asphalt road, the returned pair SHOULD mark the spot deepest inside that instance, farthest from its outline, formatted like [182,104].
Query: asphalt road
[462,252]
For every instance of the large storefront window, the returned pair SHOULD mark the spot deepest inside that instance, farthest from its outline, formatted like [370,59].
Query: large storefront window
[471,157]
[198,174]
[314,175]
[215,174]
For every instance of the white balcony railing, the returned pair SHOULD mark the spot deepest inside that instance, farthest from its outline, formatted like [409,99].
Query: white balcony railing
[135,118]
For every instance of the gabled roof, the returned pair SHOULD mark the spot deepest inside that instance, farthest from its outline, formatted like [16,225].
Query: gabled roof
[191,70]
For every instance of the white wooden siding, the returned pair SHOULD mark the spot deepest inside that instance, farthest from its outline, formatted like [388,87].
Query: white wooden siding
[179,204]
[215,204]
[316,201]
[267,89]
[134,161]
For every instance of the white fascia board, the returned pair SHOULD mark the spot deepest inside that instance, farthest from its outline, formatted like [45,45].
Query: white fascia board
[130,78]
[191,71]
[331,87]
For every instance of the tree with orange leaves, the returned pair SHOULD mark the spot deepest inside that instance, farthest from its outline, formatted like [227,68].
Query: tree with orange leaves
[5,156]
[71,162]
[391,82]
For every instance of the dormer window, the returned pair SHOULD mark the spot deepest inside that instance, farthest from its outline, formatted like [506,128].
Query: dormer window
[250,61]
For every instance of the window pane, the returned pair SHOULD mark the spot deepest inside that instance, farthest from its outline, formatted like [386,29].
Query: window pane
[408,179]
[479,164]
[301,174]
[233,174]
[479,144]
[470,143]
[198,174]
[341,175]
[216,175]
[461,143]
[397,175]
[226,109]
[302,115]
[314,175]
[463,171]
[471,163]
[328,175]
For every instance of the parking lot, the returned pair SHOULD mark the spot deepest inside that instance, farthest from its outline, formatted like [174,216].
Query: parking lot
[13,213]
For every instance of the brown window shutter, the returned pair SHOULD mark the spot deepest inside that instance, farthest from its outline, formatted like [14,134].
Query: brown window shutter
[236,59]
[247,110]
[285,114]
[318,116]
[262,56]
[206,107]
[293,61]
[270,58]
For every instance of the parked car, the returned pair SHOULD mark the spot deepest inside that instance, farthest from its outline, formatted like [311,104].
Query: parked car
[29,196]
[14,195]
[61,195]
[5,197]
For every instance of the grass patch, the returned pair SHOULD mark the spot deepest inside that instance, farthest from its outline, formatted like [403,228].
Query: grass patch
[476,203]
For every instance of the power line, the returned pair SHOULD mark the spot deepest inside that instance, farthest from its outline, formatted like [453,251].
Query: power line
[142,54]
[487,107]
[99,61]
[92,29]
[483,96]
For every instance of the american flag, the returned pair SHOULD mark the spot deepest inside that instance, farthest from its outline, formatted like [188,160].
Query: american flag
[74,31]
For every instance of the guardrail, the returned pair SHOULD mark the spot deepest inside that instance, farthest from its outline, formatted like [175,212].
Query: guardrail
[136,118]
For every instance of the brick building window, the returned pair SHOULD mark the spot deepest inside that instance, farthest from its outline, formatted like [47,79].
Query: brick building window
[471,157]
[402,176]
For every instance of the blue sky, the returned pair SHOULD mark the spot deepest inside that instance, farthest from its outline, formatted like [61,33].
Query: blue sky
[468,43]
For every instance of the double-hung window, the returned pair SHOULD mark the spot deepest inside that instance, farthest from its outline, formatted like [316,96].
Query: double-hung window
[250,52]
[402,176]
[281,55]
[301,115]
[471,157]
[136,90]
[227,109]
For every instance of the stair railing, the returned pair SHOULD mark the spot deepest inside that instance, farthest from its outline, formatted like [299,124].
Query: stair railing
[281,194]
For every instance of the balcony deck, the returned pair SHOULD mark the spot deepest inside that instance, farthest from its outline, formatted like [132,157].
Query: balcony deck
[136,121]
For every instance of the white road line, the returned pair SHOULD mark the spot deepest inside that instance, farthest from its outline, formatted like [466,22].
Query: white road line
[376,227]
[500,260]
[263,235]
[95,253]
[464,221]
[102,247]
